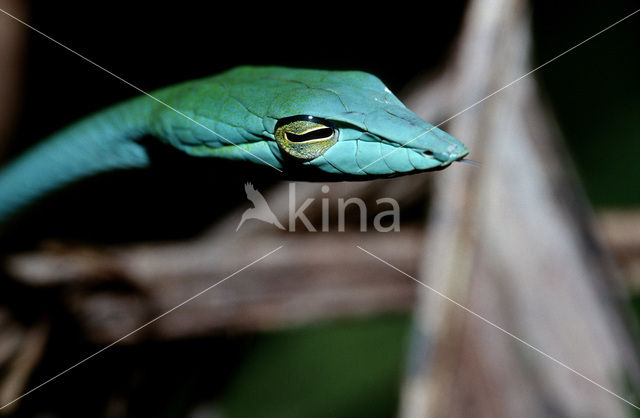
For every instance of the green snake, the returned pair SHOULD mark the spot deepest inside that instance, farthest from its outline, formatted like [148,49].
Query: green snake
[307,124]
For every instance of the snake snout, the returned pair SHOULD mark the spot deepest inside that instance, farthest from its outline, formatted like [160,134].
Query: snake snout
[452,153]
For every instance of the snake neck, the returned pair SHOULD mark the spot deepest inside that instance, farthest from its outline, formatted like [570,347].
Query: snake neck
[102,142]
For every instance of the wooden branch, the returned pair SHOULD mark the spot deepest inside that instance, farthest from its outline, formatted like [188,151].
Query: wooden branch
[313,278]
[512,242]
[115,289]
[317,276]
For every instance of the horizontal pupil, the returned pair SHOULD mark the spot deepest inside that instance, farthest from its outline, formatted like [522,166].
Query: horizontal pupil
[316,134]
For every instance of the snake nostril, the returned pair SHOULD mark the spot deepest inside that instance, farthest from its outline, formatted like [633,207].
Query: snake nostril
[428,153]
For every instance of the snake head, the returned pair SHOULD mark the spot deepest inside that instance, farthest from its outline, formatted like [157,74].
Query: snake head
[349,124]
[343,125]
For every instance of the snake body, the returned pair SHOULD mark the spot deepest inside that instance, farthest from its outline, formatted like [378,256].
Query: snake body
[327,125]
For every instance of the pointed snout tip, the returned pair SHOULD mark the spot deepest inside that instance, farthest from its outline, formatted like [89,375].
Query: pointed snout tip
[461,153]
[453,153]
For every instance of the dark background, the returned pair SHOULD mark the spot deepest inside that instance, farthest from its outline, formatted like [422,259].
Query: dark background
[340,369]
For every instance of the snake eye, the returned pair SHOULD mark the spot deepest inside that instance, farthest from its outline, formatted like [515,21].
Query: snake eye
[305,137]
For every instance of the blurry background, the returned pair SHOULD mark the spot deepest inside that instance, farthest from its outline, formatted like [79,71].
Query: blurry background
[324,367]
